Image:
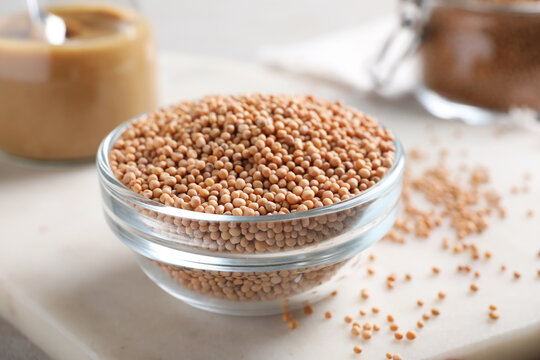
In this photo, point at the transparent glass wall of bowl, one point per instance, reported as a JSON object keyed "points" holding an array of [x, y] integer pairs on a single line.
{"points": [[477, 59], [218, 261]]}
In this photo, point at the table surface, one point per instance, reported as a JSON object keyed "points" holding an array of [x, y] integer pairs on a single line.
{"points": [[76, 291]]}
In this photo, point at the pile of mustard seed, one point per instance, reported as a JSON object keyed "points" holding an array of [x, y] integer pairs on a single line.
{"points": [[252, 154]]}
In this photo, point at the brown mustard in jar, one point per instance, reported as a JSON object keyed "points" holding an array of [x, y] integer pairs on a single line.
{"points": [[483, 53]]}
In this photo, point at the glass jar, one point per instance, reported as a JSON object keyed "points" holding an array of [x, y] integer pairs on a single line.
{"points": [[478, 59], [192, 255], [57, 102]]}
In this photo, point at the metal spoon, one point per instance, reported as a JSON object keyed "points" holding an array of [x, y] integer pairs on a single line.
{"points": [[47, 26]]}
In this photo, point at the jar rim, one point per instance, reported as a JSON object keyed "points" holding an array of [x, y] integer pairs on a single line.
{"points": [[106, 175]]}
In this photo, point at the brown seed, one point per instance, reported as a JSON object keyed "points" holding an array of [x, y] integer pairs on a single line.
{"points": [[362, 313], [494, 315], [436, 270], [419, 324], [493, 307], [474, 287], [334, 293], [357, 349], [517, 275], [411, 335], [408, 276], [328, 315], [390, 284], [390, 318], [442, 295], [503, 267], [396, 357], [365, 294], [398, 335], [367, 326], [371, 271], [435, 311], [293, 324], [375, 310], [389, 355], [420, 303], [308, 310], [376, 327], [348, 319], [425, 316], [476, 274], [394, 327], [371, 257], [366, 334], [487, 255], [286, 316], [356, 330]]}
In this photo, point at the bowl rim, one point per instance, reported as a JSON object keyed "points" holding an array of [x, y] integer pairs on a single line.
{"points": [[113, 184]]}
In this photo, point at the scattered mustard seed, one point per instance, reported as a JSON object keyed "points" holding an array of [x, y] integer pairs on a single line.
{"points": [[356, 330], [517, 275], [390, 318], [487, 255], [419, 324], [364, 294], [425, 316], [493, 307], [293, 324], [436, 270], [389, 355], [375, 310], [328, 315], [474, 287], [394, 327], [398, 335], [442, 295], [371, 271], [420, 303], [334, 293], [376, 327], [371, 257], [308, 310], [435, 311], [411, 335], [348, 319], [397, 357], [367, 326], [362, 313], [357, 349], [494, 315], [286, 316], [366, 334], [408, 276]]}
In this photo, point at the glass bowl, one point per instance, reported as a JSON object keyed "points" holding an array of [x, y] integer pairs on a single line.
{"points": [[248, 265]]}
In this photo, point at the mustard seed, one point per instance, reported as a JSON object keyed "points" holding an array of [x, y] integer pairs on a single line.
{"points": [[442, 295], [419, 324], [474, 287], [328, 315], [348, 319], [425, 316], [398, 335], [493, 307], [494, 315], [362, 313], [365, 294], [366, 334], [420, 303], [376, 327], [394, 327], [389, 355], [436, 270], [517, 275], [390, 318], [308, 310], [435, 311], [371, 271], [357, 349], [411, 335], [375, 310], [334, 293], [293, 324], [396, 357]]}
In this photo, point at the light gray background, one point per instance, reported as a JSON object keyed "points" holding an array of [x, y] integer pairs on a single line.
{"points": [[226, 29]]}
